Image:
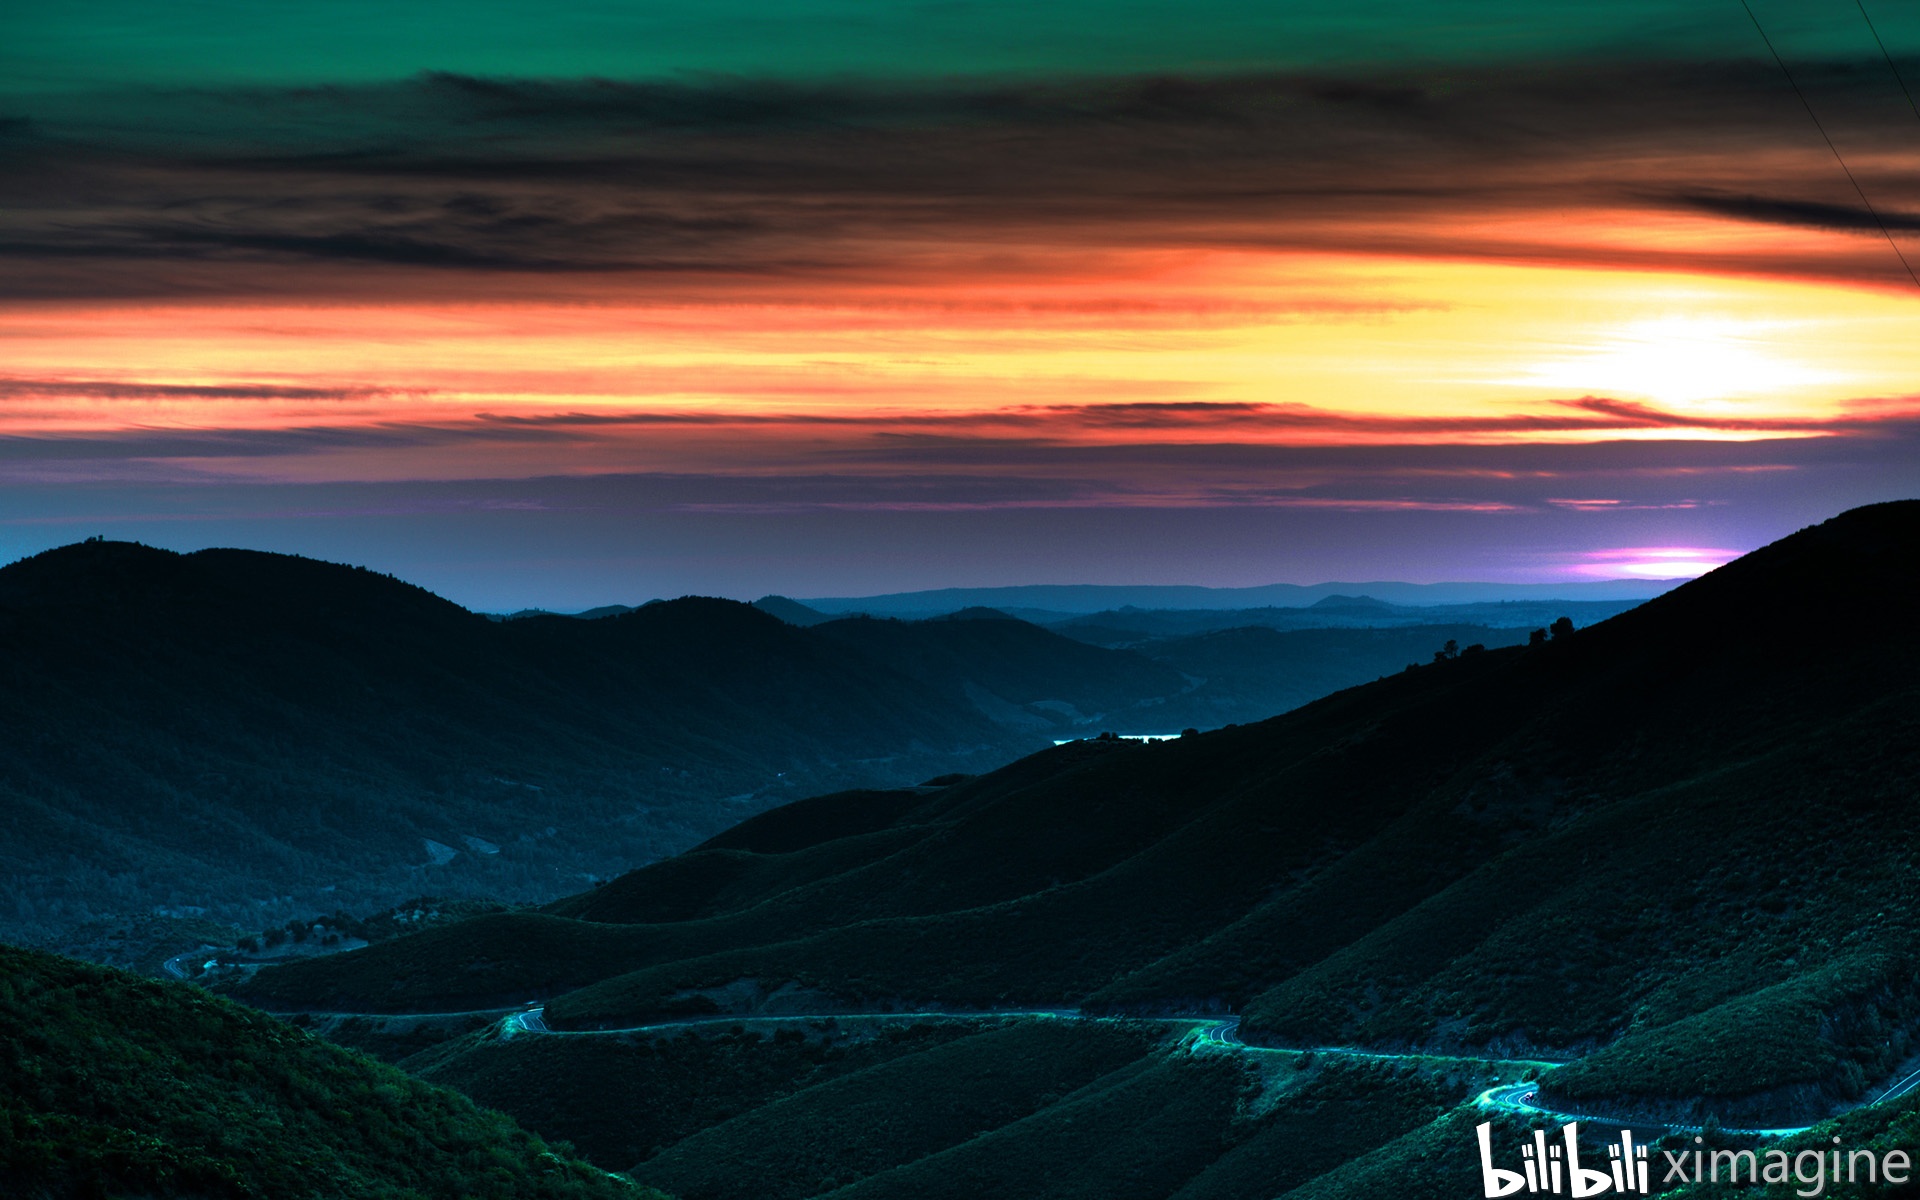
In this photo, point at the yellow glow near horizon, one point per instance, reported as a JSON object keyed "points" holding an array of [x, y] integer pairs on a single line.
{"points": [[1369, 338]]}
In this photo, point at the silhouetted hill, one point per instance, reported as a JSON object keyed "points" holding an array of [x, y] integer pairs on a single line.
{"points": [[977, 613], [252, 737], [1337, 603], [261, 736], [111, 1085], [1677, 846], [591, 614], [791, 611]]}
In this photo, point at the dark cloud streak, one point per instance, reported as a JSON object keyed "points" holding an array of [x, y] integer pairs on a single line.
{"points": [[456, 175], [1812, 214]]}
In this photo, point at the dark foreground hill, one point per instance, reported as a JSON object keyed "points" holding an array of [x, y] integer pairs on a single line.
{"points": [[250, 737], [1679, 847], [111, 1085]]}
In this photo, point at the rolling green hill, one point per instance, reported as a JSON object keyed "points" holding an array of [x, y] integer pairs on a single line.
{"points": [[111, 1085], [1677, 845]]}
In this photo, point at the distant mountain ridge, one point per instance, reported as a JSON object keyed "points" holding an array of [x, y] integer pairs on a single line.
{"points": [[1144, 628], [1070, 599]]}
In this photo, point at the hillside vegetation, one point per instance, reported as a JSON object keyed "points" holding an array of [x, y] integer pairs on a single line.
{"points": [[115, 1086], [1678, 845]]}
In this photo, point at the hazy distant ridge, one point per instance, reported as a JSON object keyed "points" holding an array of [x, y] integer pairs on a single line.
{"points": [[1090, 598]]}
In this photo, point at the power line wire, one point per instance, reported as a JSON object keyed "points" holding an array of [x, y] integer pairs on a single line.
{"points": [[1815, 117], [1898, 78]]}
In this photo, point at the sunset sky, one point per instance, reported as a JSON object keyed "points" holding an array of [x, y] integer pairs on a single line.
{"points": [[565, 304]]}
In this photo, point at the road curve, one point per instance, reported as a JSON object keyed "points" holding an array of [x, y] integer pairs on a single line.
{"points": [[1518, 1098], [174, 968]]}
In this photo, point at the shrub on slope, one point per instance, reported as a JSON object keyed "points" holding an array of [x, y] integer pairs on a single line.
{"points": [[1135, 1134], [896, 1112], [1344, 1109]]}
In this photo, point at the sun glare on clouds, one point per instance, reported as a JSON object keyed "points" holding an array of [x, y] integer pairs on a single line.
{"points": [[1703, 364]]}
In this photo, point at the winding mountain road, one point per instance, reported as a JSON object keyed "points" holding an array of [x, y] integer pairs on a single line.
{"points": [[1208, 1033]]}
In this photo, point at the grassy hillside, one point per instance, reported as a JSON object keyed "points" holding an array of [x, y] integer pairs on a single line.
{"points": [[1344, 1110], [1681, 836], [1434, 1161], [115, 1086], [896, 1112], [1132, 1134]]}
